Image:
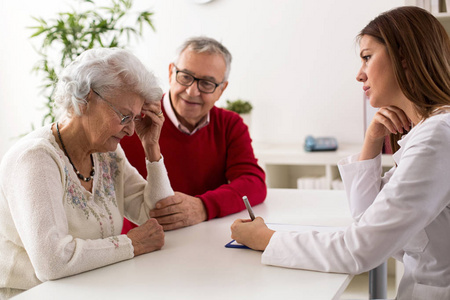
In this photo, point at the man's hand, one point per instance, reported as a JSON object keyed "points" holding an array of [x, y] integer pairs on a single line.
{"points": [[179, 211], [146, 238]]}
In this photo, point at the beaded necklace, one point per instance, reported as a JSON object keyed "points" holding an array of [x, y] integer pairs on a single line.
{"points": [[86, 179]]}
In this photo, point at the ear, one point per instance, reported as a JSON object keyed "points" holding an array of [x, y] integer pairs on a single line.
{"points": [[88, 96], [84, 106], [171, 66], [402, 58], [222, 89]]}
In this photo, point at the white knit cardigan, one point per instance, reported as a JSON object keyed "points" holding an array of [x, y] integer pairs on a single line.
{"points": [[51, 227]]}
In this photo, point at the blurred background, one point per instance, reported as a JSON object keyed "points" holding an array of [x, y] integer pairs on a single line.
{"points": [[294, 61]]}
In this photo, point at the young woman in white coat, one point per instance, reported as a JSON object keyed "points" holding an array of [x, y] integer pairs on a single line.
{"points": [[405, 214]]}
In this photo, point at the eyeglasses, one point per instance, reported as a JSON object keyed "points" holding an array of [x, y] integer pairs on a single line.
{"points": [[203, 85], [124, 119]]}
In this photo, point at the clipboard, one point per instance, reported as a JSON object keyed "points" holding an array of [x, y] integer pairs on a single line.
{"points": [[234, 244], [289, 228]]}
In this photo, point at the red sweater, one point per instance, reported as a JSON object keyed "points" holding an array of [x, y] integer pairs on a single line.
{"points": [[216, 164]]}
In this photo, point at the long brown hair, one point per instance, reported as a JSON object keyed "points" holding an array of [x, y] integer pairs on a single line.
{"points": [[419, 49]]}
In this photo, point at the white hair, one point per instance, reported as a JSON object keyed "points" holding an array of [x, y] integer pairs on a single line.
{"points": [[202, 44], [103, 70]]}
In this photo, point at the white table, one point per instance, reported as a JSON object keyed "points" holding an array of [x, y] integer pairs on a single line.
{"points": [[194, 264]]}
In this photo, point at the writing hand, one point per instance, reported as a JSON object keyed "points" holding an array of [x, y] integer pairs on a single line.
{"points": [[254, 234], [179, 211], [147, 238]]}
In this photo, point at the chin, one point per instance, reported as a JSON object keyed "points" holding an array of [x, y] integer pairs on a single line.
{"points": [[111, 146], [373, 103]]}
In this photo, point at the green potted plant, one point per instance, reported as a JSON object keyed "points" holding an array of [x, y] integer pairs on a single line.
{"points": [[74, 31], [243, 108], [240, 106]]}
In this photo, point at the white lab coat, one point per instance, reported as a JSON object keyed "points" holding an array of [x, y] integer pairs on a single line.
{"points": [[406, 215]]}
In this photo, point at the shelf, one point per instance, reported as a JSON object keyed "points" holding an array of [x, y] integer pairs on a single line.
{"points": [[444, 18], [285, 163], [293, 154]]}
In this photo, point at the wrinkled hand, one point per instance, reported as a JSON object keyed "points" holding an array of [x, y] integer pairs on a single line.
{"points": [[178, 211], [149, 129], [254, 234], [147, 238], [387, 120]]}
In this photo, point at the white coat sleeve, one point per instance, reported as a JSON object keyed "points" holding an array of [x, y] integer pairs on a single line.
{"points": [[362, 181], [403, 208]]}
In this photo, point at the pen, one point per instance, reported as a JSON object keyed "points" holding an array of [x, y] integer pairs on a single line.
{"points": [[249, 208]]}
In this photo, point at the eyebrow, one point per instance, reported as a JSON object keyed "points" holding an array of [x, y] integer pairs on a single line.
{"points": [[361, 52], [129, 111]]}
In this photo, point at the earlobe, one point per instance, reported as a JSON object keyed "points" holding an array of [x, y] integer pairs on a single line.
{"points": [[402, 58], [404, 64]]}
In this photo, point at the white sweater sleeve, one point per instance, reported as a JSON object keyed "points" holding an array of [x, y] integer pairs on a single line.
{"points": [[141, 195]]}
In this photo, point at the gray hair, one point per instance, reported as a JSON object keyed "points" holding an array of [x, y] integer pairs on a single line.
{"points": [[103, 70], [203, 44]]}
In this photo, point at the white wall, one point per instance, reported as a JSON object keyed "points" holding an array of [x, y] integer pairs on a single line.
{"points": [[295, 60]]}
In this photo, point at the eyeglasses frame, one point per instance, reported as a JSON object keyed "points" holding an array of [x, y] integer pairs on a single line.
{"points": [[195, 79], [124, 119]]}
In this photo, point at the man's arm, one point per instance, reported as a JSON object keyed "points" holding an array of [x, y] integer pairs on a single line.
{"points": [[244, 176]]}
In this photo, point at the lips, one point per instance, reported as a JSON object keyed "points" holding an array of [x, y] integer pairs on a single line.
{"points": [[366, 90], [190, 103], [189, 100]]}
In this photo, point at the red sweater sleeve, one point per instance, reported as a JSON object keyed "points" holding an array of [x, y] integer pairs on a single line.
{"points": [[243, 173]]}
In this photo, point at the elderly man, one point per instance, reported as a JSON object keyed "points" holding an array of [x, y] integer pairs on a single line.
{"points": [[207, 150]]}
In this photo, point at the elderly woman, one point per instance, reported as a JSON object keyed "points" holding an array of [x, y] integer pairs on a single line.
{"points": [[65, 188]]}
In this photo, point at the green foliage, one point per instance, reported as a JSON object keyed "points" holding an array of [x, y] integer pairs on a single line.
{"points": [[73, 32], [239, 106]]}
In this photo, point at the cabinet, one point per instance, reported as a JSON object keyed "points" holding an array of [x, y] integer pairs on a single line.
{"points": [[434, 6], [285, 163], [444, 18]]}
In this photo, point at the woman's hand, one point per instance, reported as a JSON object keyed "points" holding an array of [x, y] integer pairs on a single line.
{"points": [[390, 119], [147, 238], [149, 129], [254, 234]]}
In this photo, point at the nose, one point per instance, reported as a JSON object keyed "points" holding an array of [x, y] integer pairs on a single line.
{"points": [[193, 90], [129, 128], [361, 76]]}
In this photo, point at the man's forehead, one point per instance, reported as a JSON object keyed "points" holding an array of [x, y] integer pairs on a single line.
{"points": [[210, 66]]}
